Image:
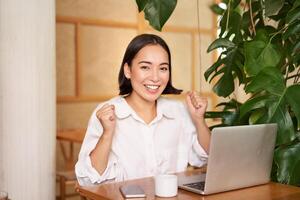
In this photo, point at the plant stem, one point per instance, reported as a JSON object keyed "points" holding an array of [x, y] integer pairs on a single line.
{"points": [[284, 66], [281, 30], [297, 76], [286, 72], [251, 17], [261, 14], [228, 11]]}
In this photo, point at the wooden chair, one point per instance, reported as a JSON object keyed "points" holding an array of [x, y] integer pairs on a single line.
{"points": [[66, 177]]}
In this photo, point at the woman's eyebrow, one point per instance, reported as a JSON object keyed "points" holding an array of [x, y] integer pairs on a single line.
{"points": [[165, 63], [146, 62], [150, 63]]}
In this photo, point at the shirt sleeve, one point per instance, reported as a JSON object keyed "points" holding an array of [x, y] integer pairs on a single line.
{"points": [[86, 174], [196, 155]]}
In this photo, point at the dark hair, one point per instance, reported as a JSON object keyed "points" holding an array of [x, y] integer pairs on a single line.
{"points": [[133, 48]]}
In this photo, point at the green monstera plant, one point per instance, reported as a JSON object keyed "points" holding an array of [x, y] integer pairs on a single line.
{"points": [[157, 12], [260, 48], [259, 42]]}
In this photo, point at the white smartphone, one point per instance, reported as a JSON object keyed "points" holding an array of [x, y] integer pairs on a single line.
{"points": [[132, 191]]}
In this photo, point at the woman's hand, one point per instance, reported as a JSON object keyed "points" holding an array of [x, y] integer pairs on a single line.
{"points": [[196, 105], [100, 154], [106, 116]]}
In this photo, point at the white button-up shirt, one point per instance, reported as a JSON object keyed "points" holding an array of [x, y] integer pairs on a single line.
{"points": [[166, 145]]}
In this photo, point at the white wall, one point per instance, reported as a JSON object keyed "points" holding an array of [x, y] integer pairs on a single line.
{"points": [[27, 99]]}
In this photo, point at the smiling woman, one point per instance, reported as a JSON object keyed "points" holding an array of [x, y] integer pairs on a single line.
{"points": [[148, 73], [143, 50], [140, 133]]}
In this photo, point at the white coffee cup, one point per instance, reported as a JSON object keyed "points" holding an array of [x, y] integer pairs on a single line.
{"points": [[166, 185]]}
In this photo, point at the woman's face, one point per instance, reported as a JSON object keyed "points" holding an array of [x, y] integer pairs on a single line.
{"points": [[149, 73]]}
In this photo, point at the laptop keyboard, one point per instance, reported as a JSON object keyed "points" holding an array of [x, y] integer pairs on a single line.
{"points": [[196, 185]]}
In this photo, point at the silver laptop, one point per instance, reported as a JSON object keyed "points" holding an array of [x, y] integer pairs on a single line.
{"points": [[239, 156]]}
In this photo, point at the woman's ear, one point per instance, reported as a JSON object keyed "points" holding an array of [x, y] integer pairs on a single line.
{"points": [[127, 71]]}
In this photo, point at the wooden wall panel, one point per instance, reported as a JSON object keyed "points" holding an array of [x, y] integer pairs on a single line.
{"points": [[203, 62], [101, 53], [74, 115], [181, 59], [65, 59], [112, 10], [206, 17]]}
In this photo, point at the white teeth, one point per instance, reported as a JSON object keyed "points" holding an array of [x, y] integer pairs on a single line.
{"points": [[153, 87]]}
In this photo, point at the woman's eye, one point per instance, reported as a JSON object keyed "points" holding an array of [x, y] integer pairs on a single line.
{"points": [[144, 67], [164, 68]]}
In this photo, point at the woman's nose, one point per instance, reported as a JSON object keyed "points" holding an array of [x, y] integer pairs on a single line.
{"points": [[155, 75]]}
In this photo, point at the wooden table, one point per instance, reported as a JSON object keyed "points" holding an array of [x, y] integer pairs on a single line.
{"points": [[71, 136], [268, 191]]}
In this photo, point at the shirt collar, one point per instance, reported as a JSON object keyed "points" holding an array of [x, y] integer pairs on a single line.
{"points": [[123, 110], [164, 108]]}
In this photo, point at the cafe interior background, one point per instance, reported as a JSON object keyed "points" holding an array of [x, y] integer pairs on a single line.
{"points": [[90, 40]]}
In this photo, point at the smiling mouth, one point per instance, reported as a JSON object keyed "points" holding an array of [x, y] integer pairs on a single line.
{"points": [[152, 87]]}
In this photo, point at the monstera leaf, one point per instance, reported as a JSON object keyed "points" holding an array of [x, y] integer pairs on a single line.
{"points": [[254, 104], [276, 103], [227, 68], [293, 97], [273, 7], [261, 53], [293, 15], [157, 12], [269, 79], [220, 43], [287, 164]]}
